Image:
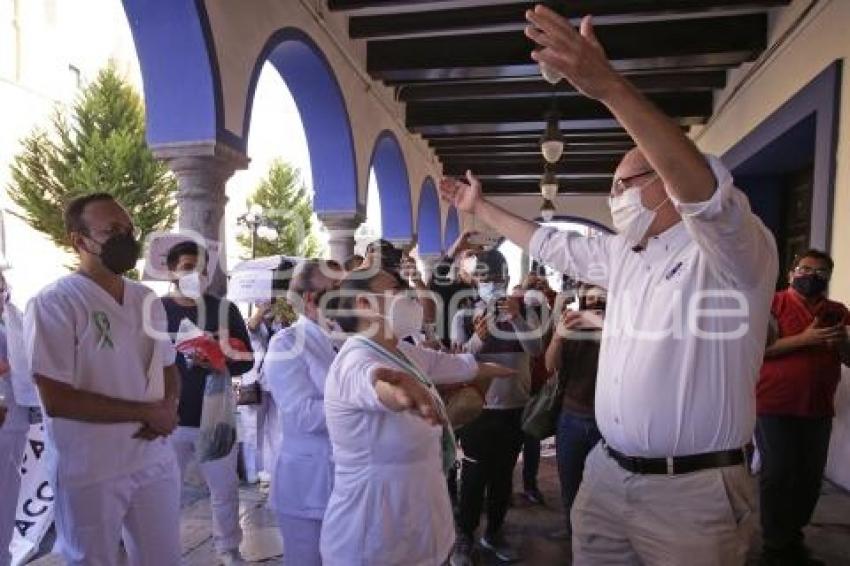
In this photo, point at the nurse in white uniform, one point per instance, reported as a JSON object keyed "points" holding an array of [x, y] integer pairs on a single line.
{"points": [[17, 396], [296, 366], [104, 367], [391, 445]]}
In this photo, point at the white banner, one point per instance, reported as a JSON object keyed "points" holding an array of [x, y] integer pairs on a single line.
{"points": [[250, 286], [34, 513]]}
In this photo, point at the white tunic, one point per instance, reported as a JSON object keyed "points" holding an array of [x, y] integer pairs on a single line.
{"points": [[295, 370], [390, 504], [78, 334], [685, 326]]}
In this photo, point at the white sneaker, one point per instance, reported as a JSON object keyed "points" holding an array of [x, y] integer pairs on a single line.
{"points": [[231, 558]]}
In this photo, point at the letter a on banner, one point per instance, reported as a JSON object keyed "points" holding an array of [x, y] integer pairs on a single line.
{"points": [[34, 513]]}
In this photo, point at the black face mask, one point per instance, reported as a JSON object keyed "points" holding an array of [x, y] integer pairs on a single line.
{"points": [[809, 285], [119, 253]]}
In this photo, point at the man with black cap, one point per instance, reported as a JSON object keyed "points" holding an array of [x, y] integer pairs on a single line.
{"points": [[495, 331]]}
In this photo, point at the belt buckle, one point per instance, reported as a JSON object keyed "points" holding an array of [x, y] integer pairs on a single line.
{"points": [[671, 466]]}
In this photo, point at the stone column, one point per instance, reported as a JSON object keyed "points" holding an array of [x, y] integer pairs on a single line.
{"points": [[202, 170], [341, 227]]}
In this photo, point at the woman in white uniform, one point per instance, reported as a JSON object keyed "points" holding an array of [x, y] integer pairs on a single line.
{"points": [[391, 447]]}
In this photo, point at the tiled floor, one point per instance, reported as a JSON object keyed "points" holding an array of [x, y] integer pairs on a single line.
{"points": [[529, 527]]}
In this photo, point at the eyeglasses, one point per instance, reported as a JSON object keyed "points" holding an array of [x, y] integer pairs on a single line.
{"points": [[823, 273], [623, 184], [114, 230]]}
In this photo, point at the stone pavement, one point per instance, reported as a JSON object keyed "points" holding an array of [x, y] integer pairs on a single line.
{"points": [[529, 527]]}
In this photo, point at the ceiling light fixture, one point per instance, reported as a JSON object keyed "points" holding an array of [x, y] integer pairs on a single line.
{"points": [[547, 210], [549, 182], [552, 142]]}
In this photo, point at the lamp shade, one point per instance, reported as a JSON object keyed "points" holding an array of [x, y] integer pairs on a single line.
{"points": [[549, 183], [547, 210], [552, 141]]}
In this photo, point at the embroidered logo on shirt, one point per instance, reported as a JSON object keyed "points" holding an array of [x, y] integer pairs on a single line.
{"points": [[104, 332], [676, 268]]}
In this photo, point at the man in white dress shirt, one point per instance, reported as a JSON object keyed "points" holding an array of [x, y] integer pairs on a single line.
{"points": [[296, 367], [689, 276], [104, 367]]}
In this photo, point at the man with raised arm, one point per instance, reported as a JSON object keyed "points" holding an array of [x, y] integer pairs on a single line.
{"points": [[690, 276]]}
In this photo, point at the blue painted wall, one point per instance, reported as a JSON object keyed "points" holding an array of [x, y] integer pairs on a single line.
{"points": [[179, 76], [428, 219], [393, 186], [452, 228], [320, 103]]}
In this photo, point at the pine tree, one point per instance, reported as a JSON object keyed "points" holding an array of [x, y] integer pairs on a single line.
{"points": [[97, 146], [287, 204]]}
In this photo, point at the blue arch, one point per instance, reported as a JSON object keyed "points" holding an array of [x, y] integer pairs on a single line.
{"points": [[311, 80], [393, 186], [180, 73], [428, 219], [452, 228]]}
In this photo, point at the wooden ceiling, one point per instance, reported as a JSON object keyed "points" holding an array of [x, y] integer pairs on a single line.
{"points": [[463, 69]]}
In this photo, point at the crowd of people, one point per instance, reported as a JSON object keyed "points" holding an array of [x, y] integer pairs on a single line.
{"points": [[391, 409]]}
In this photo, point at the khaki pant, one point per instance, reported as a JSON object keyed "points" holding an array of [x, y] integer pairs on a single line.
{"points": [[701, 518]]}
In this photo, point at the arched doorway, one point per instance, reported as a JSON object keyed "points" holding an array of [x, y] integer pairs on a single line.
{"points": [[390, 173]]}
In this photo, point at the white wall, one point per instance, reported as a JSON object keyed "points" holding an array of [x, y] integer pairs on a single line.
{"points": [[816, 43]]}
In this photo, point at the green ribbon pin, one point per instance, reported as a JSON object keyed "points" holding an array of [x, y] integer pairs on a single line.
{"points": [[101, 322]]}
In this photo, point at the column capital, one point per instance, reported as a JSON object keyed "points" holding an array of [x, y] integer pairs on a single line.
{"points": [[203, 152], [339, 221]]}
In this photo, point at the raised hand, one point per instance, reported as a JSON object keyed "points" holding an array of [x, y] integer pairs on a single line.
{"points": [[575, 54], [463, 196]]}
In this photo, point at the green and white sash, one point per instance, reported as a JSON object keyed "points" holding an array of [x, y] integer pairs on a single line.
{"points": [[448, 442]]}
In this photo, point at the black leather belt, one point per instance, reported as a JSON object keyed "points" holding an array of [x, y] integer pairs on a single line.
{"points": [[678, 464]]}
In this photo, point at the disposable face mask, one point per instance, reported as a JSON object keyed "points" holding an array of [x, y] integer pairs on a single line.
{"points": [[404, 316], [192, 285], [489, 291], [631, 218]]}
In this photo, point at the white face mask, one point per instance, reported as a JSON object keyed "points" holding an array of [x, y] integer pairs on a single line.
{"points": [[405, 316], [192, 285], [631, 218], [489, 291]]}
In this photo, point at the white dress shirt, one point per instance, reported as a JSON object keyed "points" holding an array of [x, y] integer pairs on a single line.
{"points": [[389, 504], [676, 378], [295, 370]]}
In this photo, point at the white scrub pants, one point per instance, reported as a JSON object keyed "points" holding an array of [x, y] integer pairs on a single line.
{"points": [[300, 540], [223, 483], [146, 503], [11, 452]]}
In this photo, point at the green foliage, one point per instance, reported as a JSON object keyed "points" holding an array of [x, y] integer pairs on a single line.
{"points": [[286, 202], [97, 146]]}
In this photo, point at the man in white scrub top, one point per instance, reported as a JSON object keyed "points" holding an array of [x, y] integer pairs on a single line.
{"points": [[296, 367], [105, 372]]}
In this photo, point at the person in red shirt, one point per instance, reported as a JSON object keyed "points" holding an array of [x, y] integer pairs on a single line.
{"points": [[794, 403]]}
